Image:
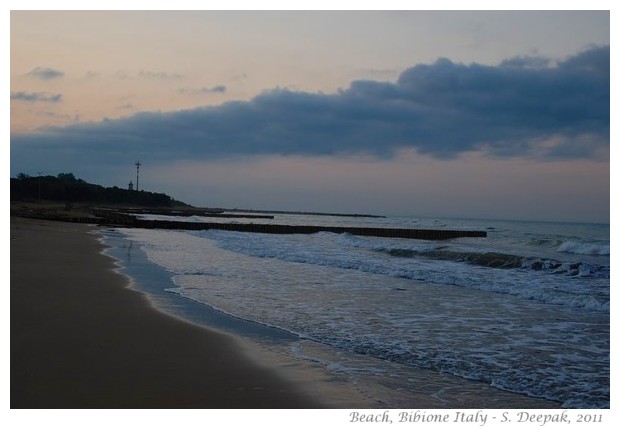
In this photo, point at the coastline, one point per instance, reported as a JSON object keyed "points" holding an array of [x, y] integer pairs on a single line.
{"points": [[103, 343], [80, 338]]}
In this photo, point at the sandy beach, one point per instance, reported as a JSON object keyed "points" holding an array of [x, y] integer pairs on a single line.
{"points": [[80, 338], [83, 337]]}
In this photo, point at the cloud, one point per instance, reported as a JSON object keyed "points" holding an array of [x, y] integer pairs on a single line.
{"points": [[526, 107], [159, 75], [35, 97], [61, 116], [204, 90], [126, 106], [45, 73], [378, 73]]}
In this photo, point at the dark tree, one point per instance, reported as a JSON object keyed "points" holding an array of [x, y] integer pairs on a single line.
{"points": [[69, 189]]}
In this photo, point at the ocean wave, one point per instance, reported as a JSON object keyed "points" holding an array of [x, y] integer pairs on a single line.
{"points": [[581, 248], [505, 261], [489, 258], [544, 242], [517, 345], [571, 284]]}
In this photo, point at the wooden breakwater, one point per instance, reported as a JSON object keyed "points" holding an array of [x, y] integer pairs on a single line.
{"points": [[114, 218]]}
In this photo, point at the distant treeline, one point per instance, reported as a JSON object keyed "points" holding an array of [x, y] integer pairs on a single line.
{"points": [[67, 188]]}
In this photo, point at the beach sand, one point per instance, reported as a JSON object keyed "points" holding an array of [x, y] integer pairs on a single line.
{"points": [[81, 337]]}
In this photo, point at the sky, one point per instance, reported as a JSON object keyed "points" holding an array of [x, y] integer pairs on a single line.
{"points": [[483, 114]]}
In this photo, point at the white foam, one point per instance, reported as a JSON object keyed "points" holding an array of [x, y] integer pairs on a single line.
{"points": [[332, 250], [337, 290], [581, 248]]}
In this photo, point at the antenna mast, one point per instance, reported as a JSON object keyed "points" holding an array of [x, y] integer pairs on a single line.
{"points": [[137, 175]]}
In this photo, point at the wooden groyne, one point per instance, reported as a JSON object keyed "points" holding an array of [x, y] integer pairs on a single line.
{"points": [[114, 218]]}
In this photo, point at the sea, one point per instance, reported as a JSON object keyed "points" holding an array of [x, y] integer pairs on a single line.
{"points": [[524, 309]]}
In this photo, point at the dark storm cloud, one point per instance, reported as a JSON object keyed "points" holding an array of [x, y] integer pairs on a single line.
{"points": [[522, 107], [45, 73], [35, 97]]}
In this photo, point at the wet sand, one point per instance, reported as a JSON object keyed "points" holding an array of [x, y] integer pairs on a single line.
{"points": [[80, 338]]}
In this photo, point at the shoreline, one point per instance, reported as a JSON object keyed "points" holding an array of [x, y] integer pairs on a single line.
{"points": [[81, 338], [316, 366], [106, 344]]}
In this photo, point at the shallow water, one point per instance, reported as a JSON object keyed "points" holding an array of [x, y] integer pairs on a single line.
{"points": [[524, 310]]}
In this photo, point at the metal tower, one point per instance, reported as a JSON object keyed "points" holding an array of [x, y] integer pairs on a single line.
{"points": [[138, 175]]}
